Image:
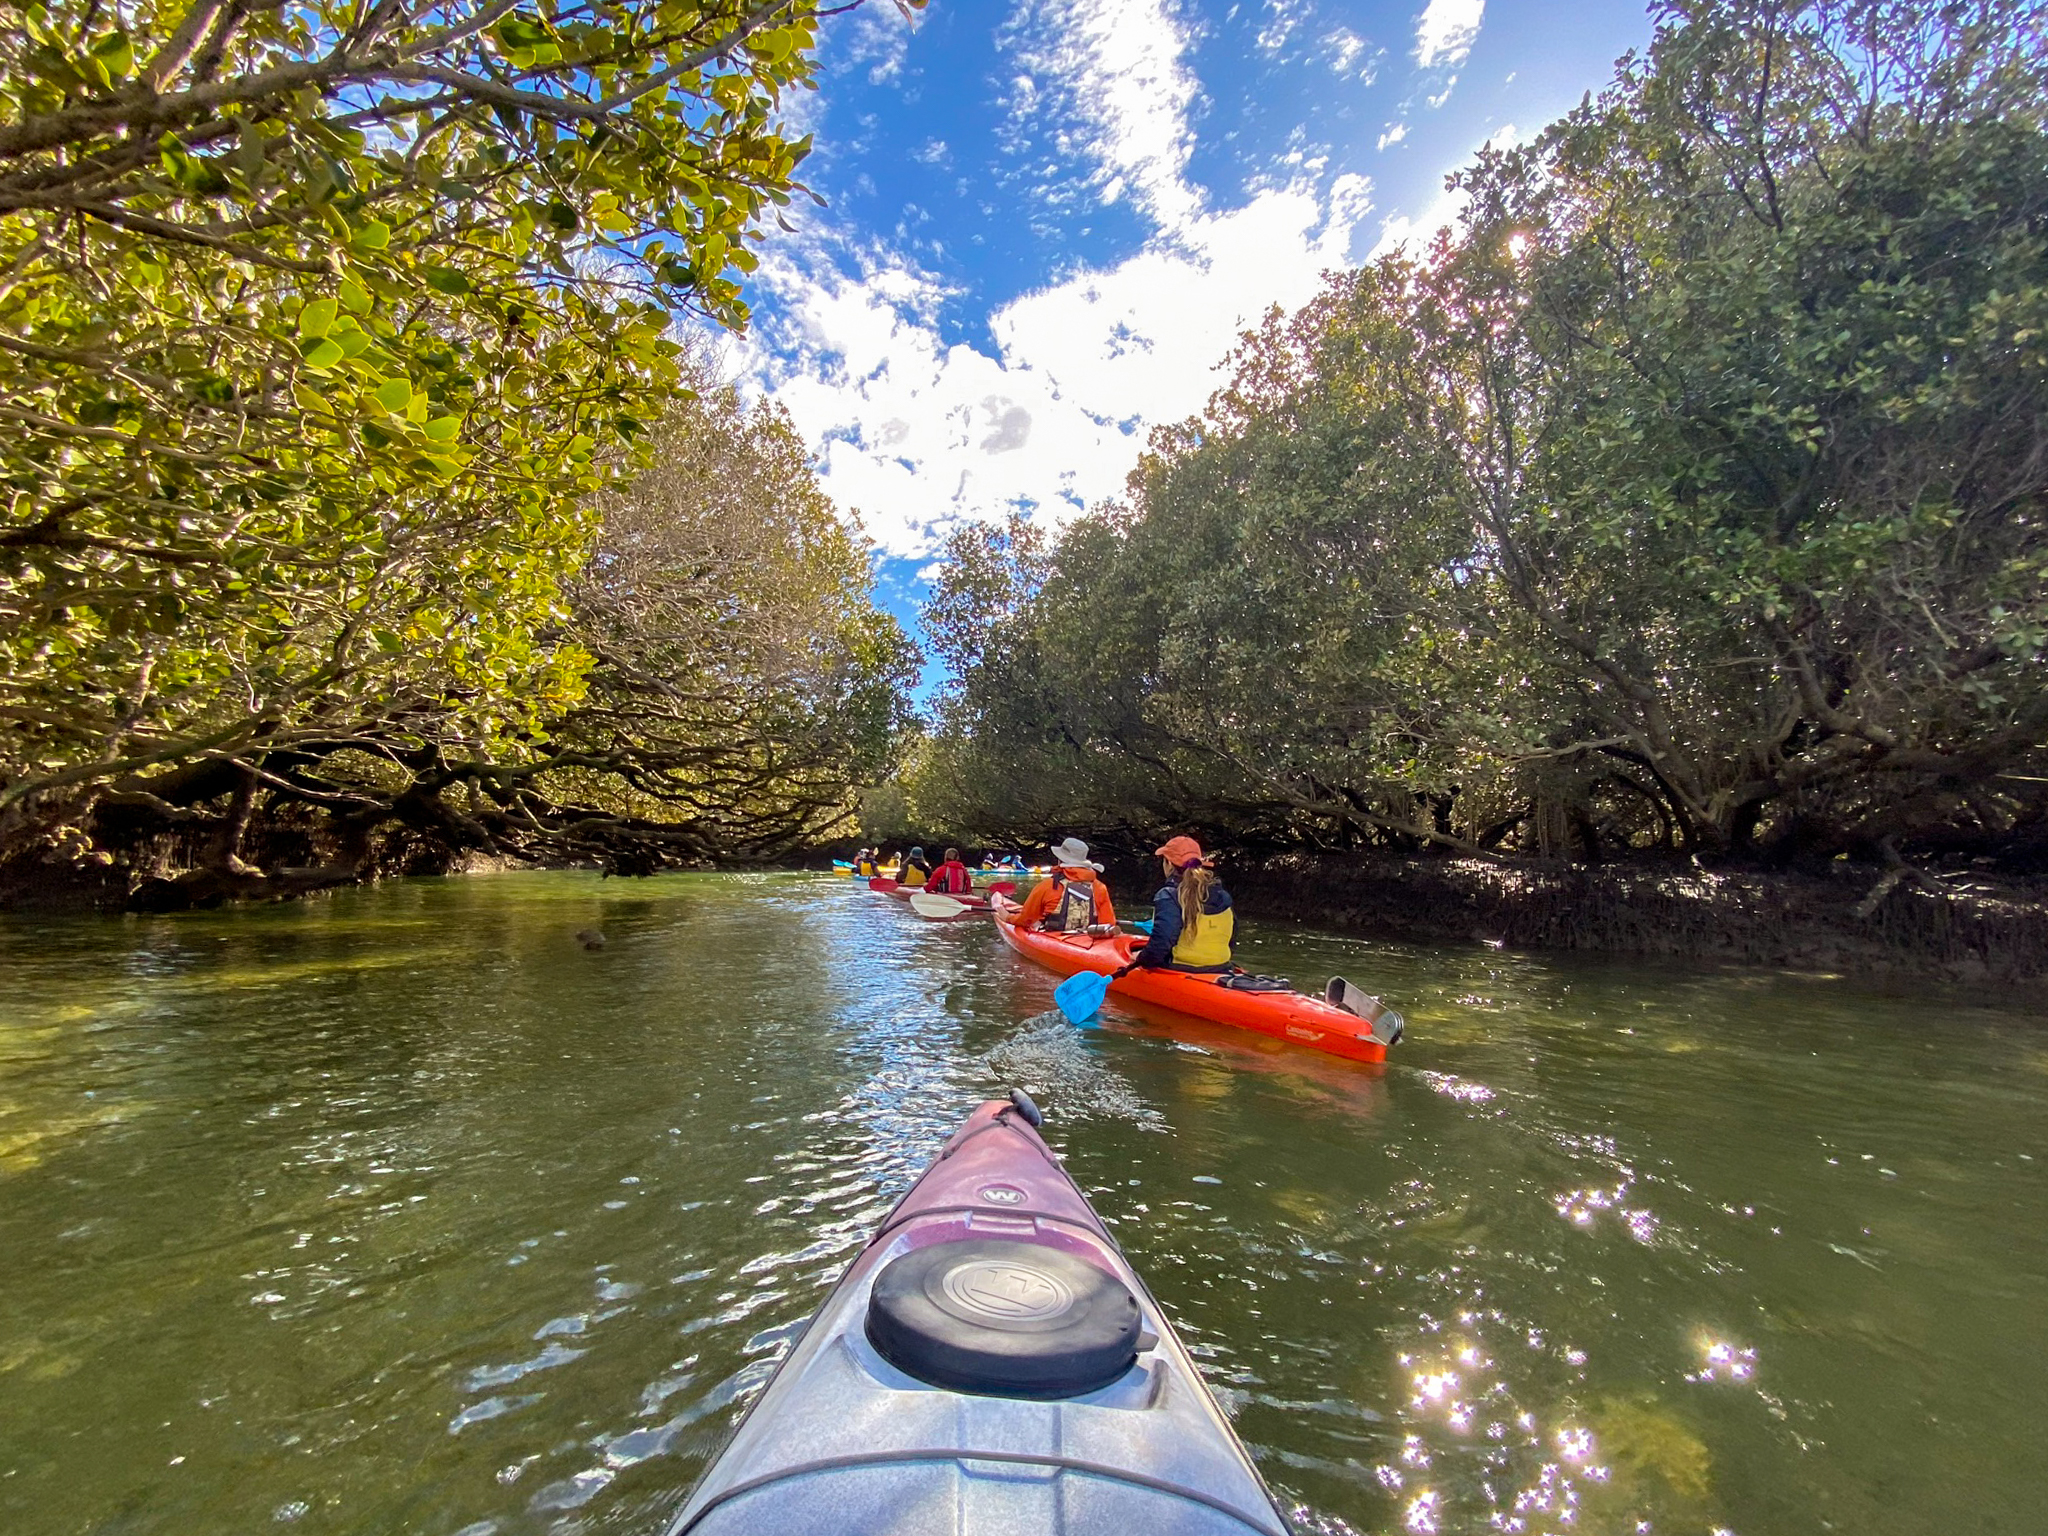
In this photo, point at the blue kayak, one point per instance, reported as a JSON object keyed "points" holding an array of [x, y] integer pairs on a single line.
{"points": [[989, 1363]]}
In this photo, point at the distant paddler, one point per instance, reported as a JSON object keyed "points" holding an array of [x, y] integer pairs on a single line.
{"points": [[951, 877]]}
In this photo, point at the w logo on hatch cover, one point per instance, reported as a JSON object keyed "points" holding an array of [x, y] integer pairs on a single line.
{"points": [[1006, 1291]]}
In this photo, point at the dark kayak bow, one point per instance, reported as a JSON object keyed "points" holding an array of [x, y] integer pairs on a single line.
{"points": [[988, 1364]]}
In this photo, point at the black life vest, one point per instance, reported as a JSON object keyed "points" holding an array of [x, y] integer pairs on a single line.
{"points": [[1076, 909]]}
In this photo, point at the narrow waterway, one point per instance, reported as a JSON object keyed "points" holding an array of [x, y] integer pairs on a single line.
{"points": [[403, 1212]]}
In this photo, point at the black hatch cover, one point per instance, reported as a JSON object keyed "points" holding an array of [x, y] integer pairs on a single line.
{"points": [[1003, 1319]]}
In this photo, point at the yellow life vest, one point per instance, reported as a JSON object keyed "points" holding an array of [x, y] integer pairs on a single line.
{"points": [[912, 876], [1209, 942]]}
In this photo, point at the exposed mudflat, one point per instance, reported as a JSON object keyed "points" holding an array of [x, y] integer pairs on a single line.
{"points": [[1972, 929]]}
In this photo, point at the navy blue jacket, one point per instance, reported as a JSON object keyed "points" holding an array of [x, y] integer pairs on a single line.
{"points": [[1166, 921]]}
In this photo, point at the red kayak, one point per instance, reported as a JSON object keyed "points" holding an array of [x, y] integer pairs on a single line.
{"points": [[1284, 1015], [990, 1363], [904, 892]]}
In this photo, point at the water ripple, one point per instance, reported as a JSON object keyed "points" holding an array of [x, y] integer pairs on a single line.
{"points": [[1049, 1059]]}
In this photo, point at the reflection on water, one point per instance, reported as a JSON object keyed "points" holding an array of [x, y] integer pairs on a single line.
{"points": [[403, 1212]]}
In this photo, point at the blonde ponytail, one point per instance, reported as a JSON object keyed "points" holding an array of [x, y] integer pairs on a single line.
{"points": [[1196, 882]]}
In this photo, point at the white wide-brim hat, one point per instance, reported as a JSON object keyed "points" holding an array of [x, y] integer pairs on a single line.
{"points": [[1074, 853]]}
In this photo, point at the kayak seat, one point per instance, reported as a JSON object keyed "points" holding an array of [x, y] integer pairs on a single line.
{"points": [[1244, 981], [1003, 1319]]}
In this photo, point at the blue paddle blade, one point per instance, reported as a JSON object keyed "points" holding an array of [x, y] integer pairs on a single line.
{"points": [[1144, 927], [1080, 996]]}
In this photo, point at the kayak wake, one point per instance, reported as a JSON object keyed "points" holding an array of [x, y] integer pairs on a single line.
{"points": [[1048, 1059]]}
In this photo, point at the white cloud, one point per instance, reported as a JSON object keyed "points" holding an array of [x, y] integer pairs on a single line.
{"points": [[1395, 133], [1345, 47], [916, 434], [878, 42], [1282, 17], [1048, 416], [1105, 82], [1446, 30]]}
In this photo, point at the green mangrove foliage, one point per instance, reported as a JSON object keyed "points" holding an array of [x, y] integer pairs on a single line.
{"points": [[326, 333], [742, 682], [1689, 496]]}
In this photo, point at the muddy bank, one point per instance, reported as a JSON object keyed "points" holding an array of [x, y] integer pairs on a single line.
{"points": [[1972, 930], [127, 860], [178, 871]]}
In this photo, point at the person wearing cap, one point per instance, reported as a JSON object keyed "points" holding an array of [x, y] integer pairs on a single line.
{"points": [[915, 870], [1073, 899], [1193, 921]]}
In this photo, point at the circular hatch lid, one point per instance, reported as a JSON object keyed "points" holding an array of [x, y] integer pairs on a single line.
{"points": [[1003, 1319]]}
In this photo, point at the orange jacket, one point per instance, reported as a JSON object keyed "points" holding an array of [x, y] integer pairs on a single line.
{"points": [[1045, 896]]}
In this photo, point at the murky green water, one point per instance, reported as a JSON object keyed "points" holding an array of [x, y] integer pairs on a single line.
{"points": [[401, 1212]]}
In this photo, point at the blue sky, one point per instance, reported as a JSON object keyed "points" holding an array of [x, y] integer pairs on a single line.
{"points": [[1048, 221]]}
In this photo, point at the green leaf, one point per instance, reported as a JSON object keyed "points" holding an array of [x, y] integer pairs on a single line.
{"points": [[393, 394], [448, 280], [317, 318], [116, 55], [517, 31], [442, 429], [323, 354], [373, 236], [251, 156]]}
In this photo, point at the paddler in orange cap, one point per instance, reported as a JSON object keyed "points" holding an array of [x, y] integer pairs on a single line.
{"points": [[1074, 900], [1193, 921]]}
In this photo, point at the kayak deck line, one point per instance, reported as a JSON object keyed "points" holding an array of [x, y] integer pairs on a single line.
{"points": [[986, 1221], [989, 1363], [1052, 1460], [1295, 1016]]}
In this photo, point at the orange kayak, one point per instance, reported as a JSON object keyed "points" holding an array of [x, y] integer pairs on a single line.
{"points": [[1285, 1015]]}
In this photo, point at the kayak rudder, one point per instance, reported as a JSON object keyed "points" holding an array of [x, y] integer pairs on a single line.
{"points": [[989, 1363]]}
